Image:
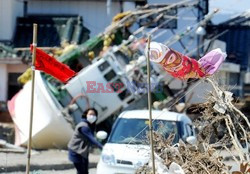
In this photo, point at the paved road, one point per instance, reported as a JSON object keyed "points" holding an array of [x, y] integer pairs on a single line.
{"points": [[55, 162], [43, 162], [69, 171]]}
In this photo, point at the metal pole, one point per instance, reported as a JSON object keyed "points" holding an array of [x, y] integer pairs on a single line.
{"points": [[198, 36], [32, 96], [150, 107]]}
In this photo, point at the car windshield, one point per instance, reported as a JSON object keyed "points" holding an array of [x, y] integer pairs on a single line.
{"points": [[134, 131]]}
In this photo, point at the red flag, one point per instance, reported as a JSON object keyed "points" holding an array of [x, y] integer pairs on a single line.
{"points": [[50, 65]]}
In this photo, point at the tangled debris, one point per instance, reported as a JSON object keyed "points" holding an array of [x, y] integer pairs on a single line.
{"points": [[200, 158], [221, 126]]}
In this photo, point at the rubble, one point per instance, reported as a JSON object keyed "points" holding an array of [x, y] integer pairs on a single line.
{"points": [[223, 124], [200, 158], [220, 126]]}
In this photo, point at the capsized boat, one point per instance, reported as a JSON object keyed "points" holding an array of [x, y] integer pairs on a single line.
{"points": [[50, 129], [111, 77]]}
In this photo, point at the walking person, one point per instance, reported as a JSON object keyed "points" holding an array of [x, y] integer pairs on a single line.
{"points": [[82, 139]]}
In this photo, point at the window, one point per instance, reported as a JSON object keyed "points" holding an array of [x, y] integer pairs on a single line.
{"points": [[124, 94], [13, 85], [134, 130], [103, 66], [110, 75]]}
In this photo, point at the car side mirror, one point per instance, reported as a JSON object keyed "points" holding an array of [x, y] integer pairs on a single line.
{"points": [[102, 135], [191, 140]]}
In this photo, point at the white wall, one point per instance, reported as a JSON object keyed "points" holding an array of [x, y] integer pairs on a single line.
{"points": [[3, 84], [128, 6], [17, 68], [94, 13], [9, 10]]}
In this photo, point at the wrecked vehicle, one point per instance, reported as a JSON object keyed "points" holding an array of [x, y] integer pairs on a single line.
{"points": [[127, 147]]}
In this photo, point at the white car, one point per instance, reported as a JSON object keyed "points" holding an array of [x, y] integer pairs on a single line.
{"points": [[127, 147]]}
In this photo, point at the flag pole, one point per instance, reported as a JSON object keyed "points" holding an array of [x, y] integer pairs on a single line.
{"points": [[32, 96], [150, 107]]}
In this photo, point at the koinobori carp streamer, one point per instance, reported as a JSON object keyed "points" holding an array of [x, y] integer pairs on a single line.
{"points": [[182, 66]]}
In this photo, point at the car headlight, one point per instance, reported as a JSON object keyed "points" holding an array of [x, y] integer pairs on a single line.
{"points": [[108, 159]]}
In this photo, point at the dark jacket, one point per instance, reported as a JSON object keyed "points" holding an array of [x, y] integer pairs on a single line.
{"points": [[82, 138]]}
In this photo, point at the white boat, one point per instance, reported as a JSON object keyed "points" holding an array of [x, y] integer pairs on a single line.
{"points": [[50, 129]]}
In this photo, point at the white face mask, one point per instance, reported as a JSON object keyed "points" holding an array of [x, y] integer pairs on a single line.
{"points": [[91, 118]]}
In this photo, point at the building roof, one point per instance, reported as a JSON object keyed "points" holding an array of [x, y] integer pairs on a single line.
{"points": [[236, 34], [53, 31], [7, 51], [156, 114], [8, 54], [242, 20]]}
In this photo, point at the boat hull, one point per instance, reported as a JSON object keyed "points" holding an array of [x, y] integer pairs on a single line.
{"points": [[50, 129]]}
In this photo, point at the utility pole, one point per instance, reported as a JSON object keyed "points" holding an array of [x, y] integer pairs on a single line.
{"points": [[202, 11], [150, 107]]}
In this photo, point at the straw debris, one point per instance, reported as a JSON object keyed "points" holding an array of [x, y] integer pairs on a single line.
{"points": [[221, 126]]}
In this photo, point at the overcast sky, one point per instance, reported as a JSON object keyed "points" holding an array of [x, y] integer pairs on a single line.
{"points": [[228, 8]]}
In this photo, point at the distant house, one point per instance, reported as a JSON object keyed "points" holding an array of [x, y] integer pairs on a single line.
{"points": [[236, 35]]}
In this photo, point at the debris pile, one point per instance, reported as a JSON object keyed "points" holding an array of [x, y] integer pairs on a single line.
{"points": [[200, 158], [221, 126]]}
